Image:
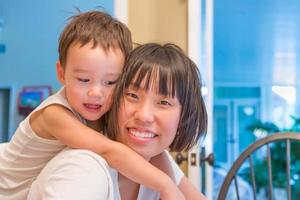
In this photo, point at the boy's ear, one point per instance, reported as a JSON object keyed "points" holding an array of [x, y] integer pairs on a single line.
{"points": [[60, 72]]}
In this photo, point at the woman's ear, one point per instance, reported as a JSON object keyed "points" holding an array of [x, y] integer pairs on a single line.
{"points": [[60, 72]]}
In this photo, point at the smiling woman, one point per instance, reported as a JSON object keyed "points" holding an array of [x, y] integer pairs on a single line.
{"points": [[158, 105]]}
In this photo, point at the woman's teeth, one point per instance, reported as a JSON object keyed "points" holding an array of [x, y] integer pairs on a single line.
{"points": [[142, 134]]}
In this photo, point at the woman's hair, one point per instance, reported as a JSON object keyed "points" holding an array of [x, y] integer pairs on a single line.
{"points": [[175, 75]]}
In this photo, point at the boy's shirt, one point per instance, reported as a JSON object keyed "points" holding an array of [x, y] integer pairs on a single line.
{"points": [[26, 154]]}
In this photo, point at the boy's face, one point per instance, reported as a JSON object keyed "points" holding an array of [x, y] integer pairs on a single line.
{"points": [[89, 77]]}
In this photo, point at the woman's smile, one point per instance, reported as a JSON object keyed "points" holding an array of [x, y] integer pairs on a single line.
{"points": [[140, 135]]}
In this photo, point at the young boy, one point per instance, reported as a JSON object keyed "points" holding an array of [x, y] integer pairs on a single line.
{"points": [[92, 50]]}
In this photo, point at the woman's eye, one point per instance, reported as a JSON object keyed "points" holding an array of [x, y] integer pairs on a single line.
{"points": [[165, 103], [132, 95], [85, 80]]}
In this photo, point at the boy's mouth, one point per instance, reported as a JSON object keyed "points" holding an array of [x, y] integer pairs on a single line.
{"points": [[92, 107]]}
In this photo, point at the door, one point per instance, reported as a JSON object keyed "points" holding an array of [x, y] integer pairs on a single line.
{"points": [[4, 114], [192, 22], [200, 50], [232, 120], [235, 110]]}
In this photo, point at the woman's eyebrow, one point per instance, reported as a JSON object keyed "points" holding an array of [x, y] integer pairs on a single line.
{"points": [[133, 86]]}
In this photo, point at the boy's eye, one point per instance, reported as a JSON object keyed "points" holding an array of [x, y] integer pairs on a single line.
{"points": [[110, 82], [85, 80]]}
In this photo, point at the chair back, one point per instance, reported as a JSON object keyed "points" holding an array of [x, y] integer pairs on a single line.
{"points": [[273, 156]]}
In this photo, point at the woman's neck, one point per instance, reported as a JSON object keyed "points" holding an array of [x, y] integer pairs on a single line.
{"points": [[128, 189]]}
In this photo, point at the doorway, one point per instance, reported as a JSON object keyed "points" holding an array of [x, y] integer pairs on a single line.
{"points": [[4, 113]]}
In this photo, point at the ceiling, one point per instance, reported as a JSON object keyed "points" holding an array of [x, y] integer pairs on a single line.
{"points": [[256, 42]]}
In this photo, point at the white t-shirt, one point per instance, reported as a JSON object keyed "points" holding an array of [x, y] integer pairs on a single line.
{"points": [[81, 174]]}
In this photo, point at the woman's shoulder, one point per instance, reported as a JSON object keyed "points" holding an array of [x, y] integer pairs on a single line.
{"points": [[76, 155], [72, 170]]}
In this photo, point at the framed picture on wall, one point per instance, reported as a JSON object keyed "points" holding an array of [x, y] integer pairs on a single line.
{"points": [[32, 96]]}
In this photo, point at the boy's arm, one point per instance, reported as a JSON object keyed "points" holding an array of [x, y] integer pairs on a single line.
{"points": [[163, 162], [57, 122], [189, 191]]}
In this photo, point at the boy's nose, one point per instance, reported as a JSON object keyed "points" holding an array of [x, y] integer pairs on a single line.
{"points": [[95, 92]]}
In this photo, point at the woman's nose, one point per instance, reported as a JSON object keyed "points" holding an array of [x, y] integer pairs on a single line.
{"points": [[144, 112]]}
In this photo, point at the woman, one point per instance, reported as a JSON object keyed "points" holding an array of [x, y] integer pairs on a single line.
{"points": [[158, 106]]}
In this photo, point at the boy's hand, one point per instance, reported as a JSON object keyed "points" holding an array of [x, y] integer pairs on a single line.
{"points": [[171, 192]]}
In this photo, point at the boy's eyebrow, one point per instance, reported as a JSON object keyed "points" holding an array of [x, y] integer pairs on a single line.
{"points": [[80, 70], [114, 73]]}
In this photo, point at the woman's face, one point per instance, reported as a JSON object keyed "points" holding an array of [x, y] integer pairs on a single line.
{"points": [[148, 121]]}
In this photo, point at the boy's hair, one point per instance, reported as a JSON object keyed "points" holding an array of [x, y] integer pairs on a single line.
{"points": [[175, 75], [97, 27]]}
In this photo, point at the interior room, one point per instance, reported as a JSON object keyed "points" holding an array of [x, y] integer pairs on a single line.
{"points": [[247, 52]]}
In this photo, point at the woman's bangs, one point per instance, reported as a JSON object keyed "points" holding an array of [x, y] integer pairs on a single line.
{"points": [[155, 77]]}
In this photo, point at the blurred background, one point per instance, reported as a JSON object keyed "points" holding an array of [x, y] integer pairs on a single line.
{"points": [[247, 52]]}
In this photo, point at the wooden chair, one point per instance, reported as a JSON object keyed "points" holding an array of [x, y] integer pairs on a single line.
{"points": [[286, 141]]}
